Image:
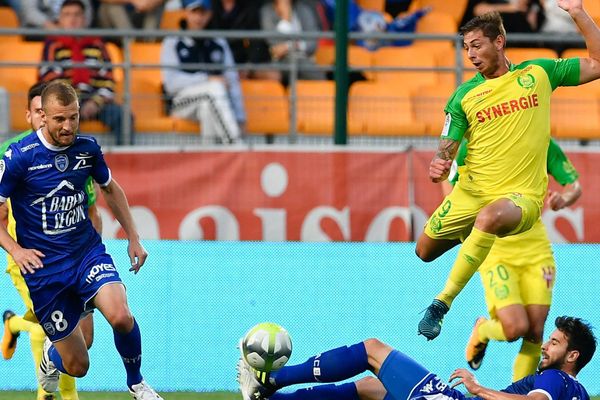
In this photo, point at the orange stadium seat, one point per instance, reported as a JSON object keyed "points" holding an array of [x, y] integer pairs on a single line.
{"points": [[429, 105], [147, 96], [436, 23], [575, 114], [18, 79], [358, 57], [448, 59], [376, 5], [266, 107], [454, 8], [9, 19], [411, 56], [170, 19], [518, 55], [315, 106], [382, 109]]}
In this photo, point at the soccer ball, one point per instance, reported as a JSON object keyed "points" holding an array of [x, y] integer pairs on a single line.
{"points": [[267, 347]]}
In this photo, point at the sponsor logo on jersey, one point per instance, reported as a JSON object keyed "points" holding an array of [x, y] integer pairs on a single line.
{"points": [[99, 272], [8, 154], [62, 212], [502, 292], [41, 166], [29, 147], [447, 123], [507, 107], [2, 168], [61, 161]]}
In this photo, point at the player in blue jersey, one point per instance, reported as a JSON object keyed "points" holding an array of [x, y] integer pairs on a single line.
{"points": [[60, 255], [569, 348]]}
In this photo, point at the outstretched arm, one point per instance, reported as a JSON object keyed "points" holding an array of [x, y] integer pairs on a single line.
{"points": [[28, 260], [590, 67], [439, 168], [464, 377], [117, 201]]}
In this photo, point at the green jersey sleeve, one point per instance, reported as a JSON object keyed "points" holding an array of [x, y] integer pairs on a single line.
{"points": [[6, 143], [559, 166], [91, 191], [456, 123], [561, 71]]}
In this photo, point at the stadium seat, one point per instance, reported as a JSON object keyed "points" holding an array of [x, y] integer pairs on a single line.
{"points": [[116, 57], [436, 23], [376, 5], [411, 56], [358, 57], [170, 19], [454, 8], [575, 114], [266, 107], [315, 106], [9, 19], [382, 109], [448, 59], [518, 55], [429, 105], [18, 79], [147, 96]]}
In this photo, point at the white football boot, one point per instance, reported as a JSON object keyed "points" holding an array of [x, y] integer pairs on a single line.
{"points": [[143, 391], [47, 373]]}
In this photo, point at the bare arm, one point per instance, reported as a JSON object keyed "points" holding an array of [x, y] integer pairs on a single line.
{"points": [[466, 378], [94, 215], [28, 260], [117, 201], [439, 168], [569, 195], [590, 67], [4, 214]]}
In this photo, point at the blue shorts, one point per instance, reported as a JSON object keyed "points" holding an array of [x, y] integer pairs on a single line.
{"points": [[59, 300], [405, 379]]}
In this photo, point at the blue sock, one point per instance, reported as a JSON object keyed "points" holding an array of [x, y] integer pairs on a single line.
{"points": [[346, 391], [56, 359], [129, 346], [330, 366]]}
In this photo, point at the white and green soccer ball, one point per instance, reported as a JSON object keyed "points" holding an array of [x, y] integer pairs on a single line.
{"points": [[267, 347]]}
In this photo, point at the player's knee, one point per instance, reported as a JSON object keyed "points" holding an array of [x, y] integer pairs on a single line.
{"points": [[121, 320], [535, 334], [516, 330], [77, 368], [423, 253], [374, 345]]}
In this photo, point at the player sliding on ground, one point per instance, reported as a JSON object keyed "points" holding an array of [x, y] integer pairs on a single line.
{"points": [[504, 112], [569, 348]]}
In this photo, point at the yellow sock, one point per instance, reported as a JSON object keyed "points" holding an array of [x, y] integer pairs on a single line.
{"points": [[491, 330], [18, 324], [67, 387], [36, 338], [470, 256], [527, 360]]}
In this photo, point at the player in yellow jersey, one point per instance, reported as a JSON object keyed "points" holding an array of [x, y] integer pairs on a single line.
{"points": [[15, 324], [518, 275], [504, 112]]}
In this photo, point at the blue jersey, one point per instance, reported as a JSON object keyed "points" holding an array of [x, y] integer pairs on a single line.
{"points": [[555, 384], [46, 185]]}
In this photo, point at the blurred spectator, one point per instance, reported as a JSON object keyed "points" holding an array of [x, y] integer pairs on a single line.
{"points": [[243, 15], [374, 22], [559, 22], [288, 16], [45, 13], [395, 7], [211, 96], [94, 82], [130, 14], [519, 16]]}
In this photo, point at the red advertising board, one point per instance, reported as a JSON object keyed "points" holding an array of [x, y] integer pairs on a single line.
{"points": [[304, 196]]}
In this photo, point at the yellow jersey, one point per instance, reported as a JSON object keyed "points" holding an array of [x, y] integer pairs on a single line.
{"points": [[506, 121]]}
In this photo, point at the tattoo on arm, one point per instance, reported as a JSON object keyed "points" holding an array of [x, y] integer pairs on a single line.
{"points": [[447, 149]]}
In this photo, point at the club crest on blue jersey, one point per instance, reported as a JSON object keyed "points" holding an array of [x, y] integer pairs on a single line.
{"points": [[61, 162]]}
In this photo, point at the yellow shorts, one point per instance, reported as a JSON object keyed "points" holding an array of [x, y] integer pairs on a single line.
{"points": [[21, 286], [520, 269], [455, 217]]}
